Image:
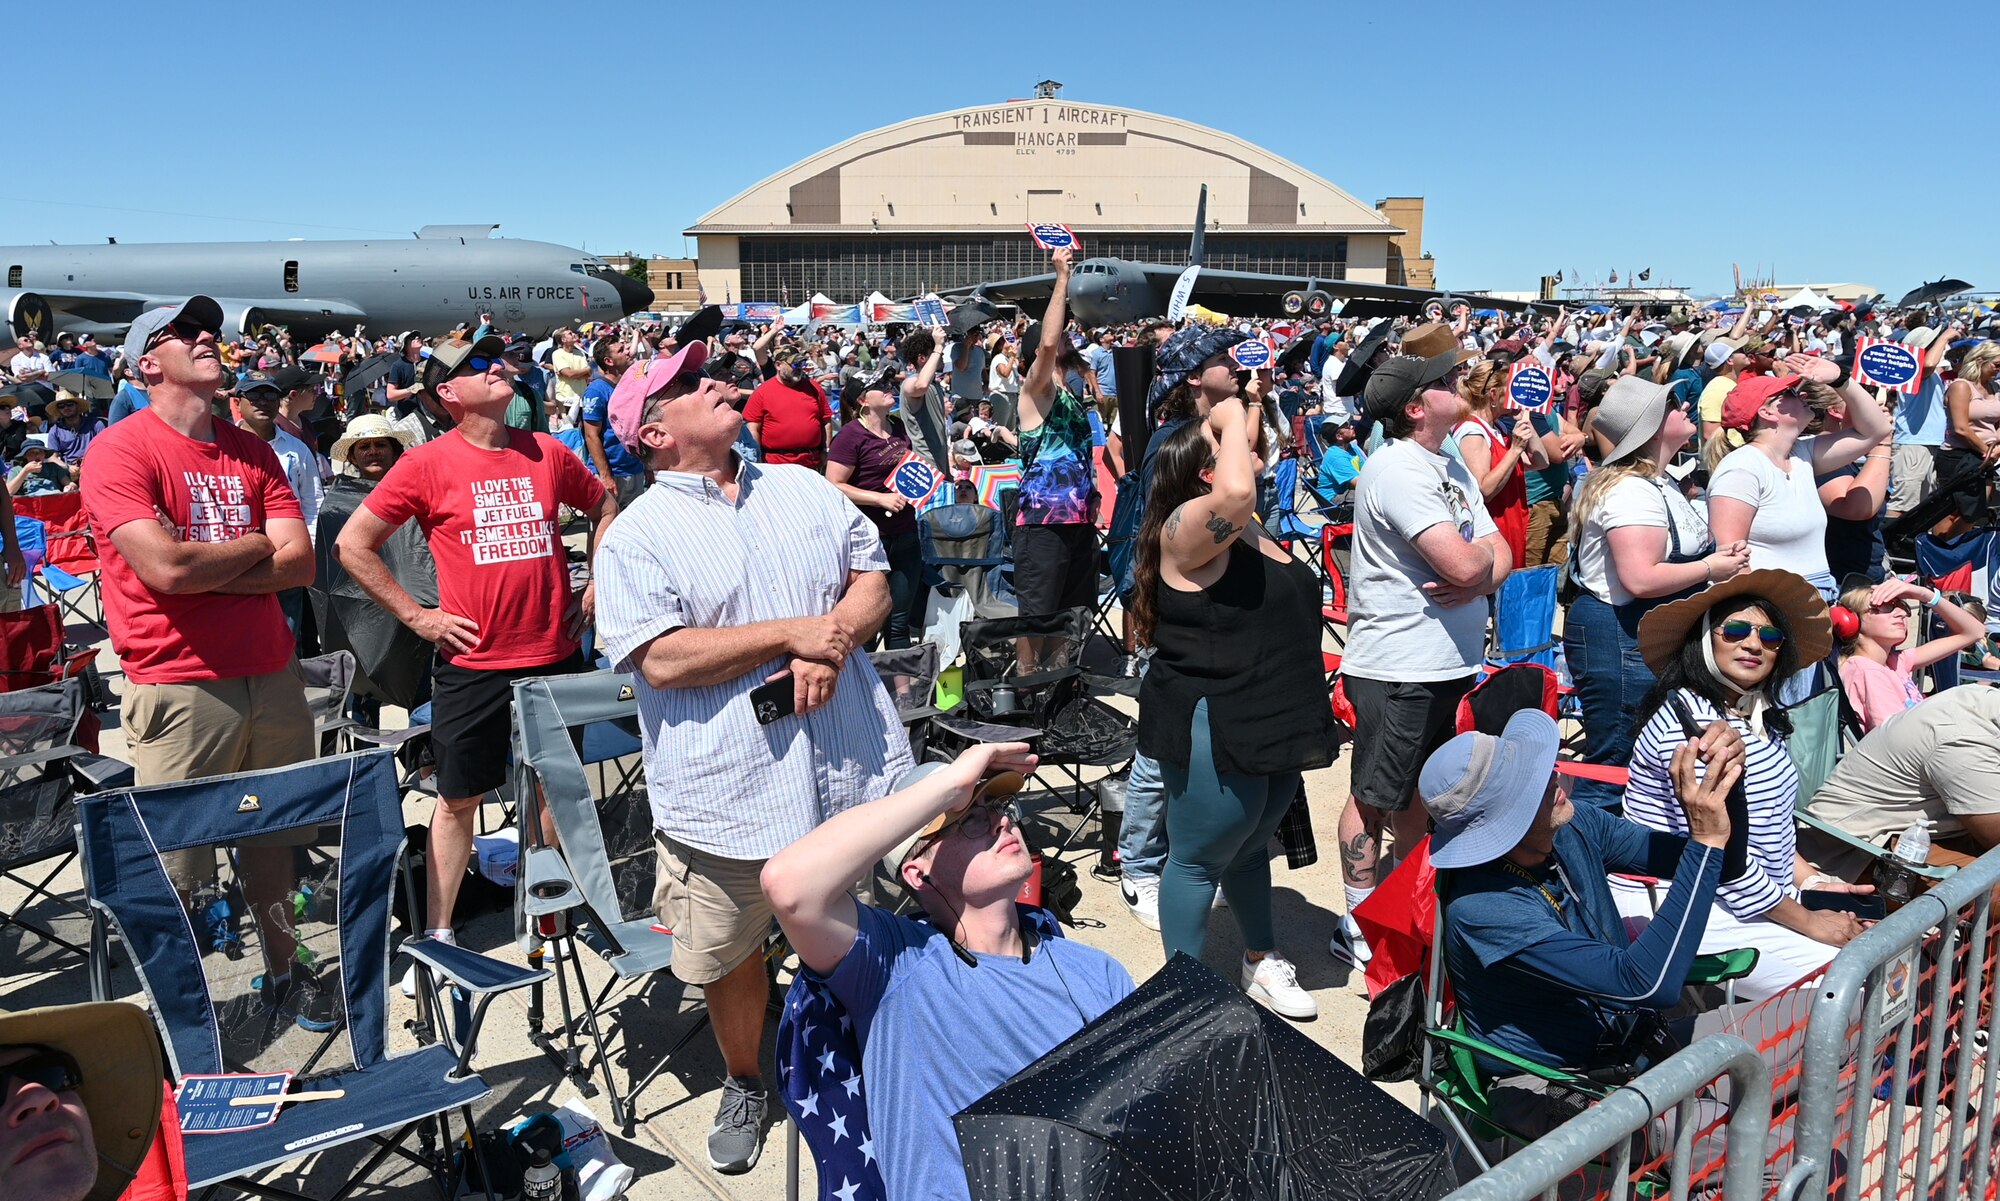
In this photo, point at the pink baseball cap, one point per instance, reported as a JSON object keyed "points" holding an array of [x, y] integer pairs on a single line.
{"points": [[642, 381]]}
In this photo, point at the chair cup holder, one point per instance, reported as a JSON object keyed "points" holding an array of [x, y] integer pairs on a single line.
{"points": [[549, 890]]}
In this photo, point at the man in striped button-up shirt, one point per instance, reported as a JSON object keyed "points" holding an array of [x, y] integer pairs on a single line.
{"points": [[726, 575]]}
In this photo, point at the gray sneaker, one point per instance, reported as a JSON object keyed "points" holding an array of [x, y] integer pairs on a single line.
{"points": [[737, 1137]]}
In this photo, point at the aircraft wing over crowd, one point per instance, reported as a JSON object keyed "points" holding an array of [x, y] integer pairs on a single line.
{"points": [[444, 275]]}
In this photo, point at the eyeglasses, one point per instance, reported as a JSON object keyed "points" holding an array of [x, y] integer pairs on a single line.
{"points": [[480, 364], [980, 821], [1737, 629], [48, 1067]]}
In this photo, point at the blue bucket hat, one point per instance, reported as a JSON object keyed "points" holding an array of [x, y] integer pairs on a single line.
{"points": [[1185, 351], [1483, 792]]}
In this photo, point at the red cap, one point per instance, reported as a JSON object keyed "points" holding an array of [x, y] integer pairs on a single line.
{"points": [[1751, 393]]}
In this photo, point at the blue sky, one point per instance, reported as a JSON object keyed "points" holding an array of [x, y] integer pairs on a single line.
{"points": [[1823, 144]]}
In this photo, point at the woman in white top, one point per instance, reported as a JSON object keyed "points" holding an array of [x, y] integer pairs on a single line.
{"points": [[1635, 542], [1766, 491]]}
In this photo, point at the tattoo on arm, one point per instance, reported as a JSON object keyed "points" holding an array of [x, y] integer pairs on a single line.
{"points": [[1173, 524], [1220, 526], [1357, 860]]}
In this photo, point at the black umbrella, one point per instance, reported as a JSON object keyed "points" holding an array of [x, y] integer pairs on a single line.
{"points": [[35, 396], [86, 385], [1189, 1089], [365, 374], [1938, 290], [969, 314], [1354, 375]]}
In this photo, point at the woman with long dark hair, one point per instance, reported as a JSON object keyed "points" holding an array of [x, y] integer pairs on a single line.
{"points": [[1720, 655], [1234, 706], [859, 462]]}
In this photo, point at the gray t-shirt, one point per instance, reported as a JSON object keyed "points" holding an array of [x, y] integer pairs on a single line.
{"points": [[1395, 632], [970, 382]]}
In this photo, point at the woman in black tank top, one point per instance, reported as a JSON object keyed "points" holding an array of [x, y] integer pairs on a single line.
{"points": [[1233, 707]]}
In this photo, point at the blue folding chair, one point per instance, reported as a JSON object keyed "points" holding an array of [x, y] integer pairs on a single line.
{"points": [[256, 910], [47, 583], [1524, 617]]}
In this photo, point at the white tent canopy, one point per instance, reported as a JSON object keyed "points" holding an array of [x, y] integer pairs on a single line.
{"points": [[1809, 298]]}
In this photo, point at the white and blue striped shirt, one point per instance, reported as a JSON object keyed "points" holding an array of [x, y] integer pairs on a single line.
{"points": [[1770, 785], [683, 556]]}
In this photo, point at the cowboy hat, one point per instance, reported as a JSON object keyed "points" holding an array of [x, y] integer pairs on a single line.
{"points": [[365, 428], [118, 1056], [1663, 631]]}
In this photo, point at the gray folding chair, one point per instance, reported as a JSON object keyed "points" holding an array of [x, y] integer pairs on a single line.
{"points": [[329, 684], [594, 887], [910, 674]]}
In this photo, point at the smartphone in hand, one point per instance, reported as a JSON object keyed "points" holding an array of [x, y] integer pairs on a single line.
{"points": [[773, 700]]}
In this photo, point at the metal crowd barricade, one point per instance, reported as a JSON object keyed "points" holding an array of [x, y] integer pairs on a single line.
{"points": [[1604, 1133], [1896, 1097]]}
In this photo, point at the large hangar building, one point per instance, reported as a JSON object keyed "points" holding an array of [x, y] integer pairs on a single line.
{"points": [[942, 202]]}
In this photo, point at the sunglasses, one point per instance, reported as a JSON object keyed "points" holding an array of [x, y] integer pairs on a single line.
{"points": [[1737, 629], [180, 331], [47, 1067], [480, 364]]}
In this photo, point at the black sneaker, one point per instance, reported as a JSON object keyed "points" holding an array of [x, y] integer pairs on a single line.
{"points": [[737, 1137]]}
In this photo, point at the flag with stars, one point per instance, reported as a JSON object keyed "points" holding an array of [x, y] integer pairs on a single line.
{"points": [[819, 1080]]}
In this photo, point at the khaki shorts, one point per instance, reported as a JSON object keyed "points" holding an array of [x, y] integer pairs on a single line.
{"points": [[215, 727], [1912, 476], [715, 907]]}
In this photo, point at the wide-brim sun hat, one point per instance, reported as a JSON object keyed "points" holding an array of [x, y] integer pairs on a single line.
{"points": [[1483, 791], [1665, 630], [367, 428], [118, 1055], [1630, 415]]}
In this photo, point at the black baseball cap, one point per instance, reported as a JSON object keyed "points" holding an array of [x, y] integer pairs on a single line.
{"points": [[257, 381], [291, 379], [1391, 385]]}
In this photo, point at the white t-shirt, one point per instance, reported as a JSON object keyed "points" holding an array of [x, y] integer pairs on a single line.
{"points": [[302, 472], [1009, 383], [1788, 532], [1395, 631], [1634, 501]]}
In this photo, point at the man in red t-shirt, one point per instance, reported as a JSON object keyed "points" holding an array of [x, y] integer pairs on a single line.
{"points": [[788, 414], [197, 532], [487, 497]]}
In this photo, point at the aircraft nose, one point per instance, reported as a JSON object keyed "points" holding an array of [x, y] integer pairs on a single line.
{"points": [[633, 296]]}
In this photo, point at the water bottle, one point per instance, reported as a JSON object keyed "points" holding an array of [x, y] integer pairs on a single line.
{"points": [[1894, 879], [543, 1180], [1913, 846]]}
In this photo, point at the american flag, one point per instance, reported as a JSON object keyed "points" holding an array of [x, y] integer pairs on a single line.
{"points": [[819, 1080]]}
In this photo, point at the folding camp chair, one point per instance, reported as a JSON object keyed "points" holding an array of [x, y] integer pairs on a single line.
{"points": [[42, 771], [72, 552], [1285, 522], [47, 583], [329, 684], [595, 885], [910, 674], [1334, 543], [256, 909], [1024, 681], [1504, 693], [1823, 727], [33, 651], [966, 548], [1524, 617]]}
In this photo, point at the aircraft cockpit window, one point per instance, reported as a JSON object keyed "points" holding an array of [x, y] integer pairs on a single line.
{"points": [[578, 268]]}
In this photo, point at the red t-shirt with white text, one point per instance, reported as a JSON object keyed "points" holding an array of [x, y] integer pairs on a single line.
{"points": [[212, 492], [491, 518]]}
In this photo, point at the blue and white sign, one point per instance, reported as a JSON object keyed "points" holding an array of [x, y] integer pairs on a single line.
{"points": [[206, 1102], [762, 312], [1888, 364], [1529, 385], [930, 311], [915, 478], [1251, 354], [1183, 288], [1050, 236]]}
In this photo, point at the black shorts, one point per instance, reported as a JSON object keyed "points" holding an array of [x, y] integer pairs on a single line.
{"points": [[1055, 567], [1398, 724], [472, 720]]}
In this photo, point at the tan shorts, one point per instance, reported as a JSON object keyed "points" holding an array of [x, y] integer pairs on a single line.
{"points": [[1912, 476], [715, 907], [215, 727]]}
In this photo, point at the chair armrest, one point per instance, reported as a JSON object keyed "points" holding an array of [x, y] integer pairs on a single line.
{"points": [[388, 738], [1459, 1038], [101, 772], [1879, 852], [469, 970], [546, 883], [1723, 966]]}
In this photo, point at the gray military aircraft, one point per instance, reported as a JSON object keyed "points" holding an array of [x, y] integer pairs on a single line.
{"points": [[1112, 291], [444, 275]]}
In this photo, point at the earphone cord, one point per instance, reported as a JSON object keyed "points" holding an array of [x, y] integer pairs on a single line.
{"points": [[970, 960]]}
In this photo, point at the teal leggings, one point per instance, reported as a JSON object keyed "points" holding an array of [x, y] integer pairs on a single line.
{"points": [[1219, 828]]}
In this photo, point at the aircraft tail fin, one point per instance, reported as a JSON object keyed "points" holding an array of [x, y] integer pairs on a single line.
{"points": [[1197, 245]]}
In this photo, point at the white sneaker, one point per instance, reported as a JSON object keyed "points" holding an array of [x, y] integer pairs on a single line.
{"points": [[1274, 982], [1348, 944], [1220, 901], [409, 984], [1142, 897]]}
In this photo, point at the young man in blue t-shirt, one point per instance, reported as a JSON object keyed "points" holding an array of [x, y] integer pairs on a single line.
{"points": [[947, 1010]]}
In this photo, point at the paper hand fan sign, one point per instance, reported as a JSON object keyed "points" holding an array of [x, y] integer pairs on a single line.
{"points": [[1888, 365], [930, 311], [1252, 354], [206, 1103], [915, 478], [1529, 385], [1050, 236]]}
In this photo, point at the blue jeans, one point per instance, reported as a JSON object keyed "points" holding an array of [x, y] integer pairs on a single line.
{"points": [[1219, 829], [1601, 644], [1142, 833]]}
